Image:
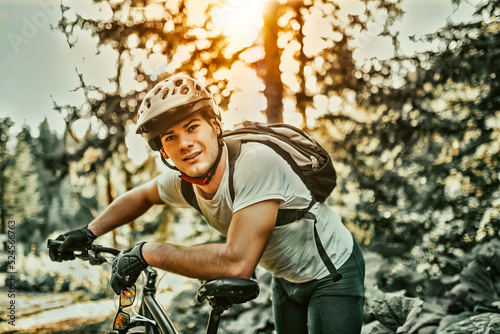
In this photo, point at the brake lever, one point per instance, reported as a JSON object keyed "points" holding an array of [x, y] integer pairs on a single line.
{"points": [[84, 255], [95, 258]]}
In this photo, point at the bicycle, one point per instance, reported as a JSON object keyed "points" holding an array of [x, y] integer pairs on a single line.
{"points": [[151, 317]]}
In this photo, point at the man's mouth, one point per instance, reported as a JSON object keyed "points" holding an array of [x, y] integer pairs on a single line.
{"points": [[192, 156]]}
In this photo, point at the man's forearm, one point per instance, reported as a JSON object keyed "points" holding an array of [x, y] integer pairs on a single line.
{"points": [[123, 210], [246, 241], [206, 261]]}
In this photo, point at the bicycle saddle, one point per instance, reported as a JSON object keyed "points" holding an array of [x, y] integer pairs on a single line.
{"points": [[234, 290]]}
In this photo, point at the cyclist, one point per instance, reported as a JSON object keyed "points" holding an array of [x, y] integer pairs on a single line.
{"points": [[180, 118]]}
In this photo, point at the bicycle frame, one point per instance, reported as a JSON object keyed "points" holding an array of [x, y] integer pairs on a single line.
{"points": [[152, 309]]}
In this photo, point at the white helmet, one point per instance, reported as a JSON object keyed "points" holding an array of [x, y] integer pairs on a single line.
{"points": [[168, 103]]}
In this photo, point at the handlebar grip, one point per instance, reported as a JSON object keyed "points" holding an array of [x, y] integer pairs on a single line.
{"points": [[96, 248], [56, 243], [53, 243]]}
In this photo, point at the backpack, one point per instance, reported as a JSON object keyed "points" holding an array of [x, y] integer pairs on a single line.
{"points": [[305, 156]]}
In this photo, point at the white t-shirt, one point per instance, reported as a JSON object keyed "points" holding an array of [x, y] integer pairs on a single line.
{"points": [[261, 174]]}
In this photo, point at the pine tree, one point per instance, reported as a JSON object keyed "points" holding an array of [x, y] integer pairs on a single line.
{"points": [[22, 192], [5, 162]]}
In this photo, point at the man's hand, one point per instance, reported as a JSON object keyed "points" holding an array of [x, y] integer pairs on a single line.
{"points": [[75, 238], [127, 267]]}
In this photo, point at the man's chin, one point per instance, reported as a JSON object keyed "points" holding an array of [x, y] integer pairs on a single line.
{"points": [[194, 173]]}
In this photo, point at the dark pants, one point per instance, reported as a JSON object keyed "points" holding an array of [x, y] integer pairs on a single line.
{"points": [[321, 306]]}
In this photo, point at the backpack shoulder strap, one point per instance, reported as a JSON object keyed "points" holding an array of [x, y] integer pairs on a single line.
{"points": [[233, 151], [189, 196]]}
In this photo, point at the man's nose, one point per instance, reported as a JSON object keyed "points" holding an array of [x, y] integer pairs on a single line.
{"points": [[185, 142]]}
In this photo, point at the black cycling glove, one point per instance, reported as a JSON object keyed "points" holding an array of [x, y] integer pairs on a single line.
{"points": [[75, 238], [127, 267]]}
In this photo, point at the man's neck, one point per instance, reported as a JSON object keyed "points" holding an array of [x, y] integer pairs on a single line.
{"points": [[209, 191]]}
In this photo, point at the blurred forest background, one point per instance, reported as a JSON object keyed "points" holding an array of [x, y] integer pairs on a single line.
{"points": [[415, 140]]}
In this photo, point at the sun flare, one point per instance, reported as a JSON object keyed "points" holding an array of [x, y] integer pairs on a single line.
{"points": [[240, 21]]}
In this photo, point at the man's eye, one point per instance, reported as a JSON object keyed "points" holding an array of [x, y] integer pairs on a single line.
{"points": [[192, 127], [168, 138]]}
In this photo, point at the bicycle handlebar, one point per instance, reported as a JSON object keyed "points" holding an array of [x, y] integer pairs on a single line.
{"points": [[92, 253]]}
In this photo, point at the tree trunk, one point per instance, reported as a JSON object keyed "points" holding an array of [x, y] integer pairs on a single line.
{"points": [[269, 67], [301, 97]]}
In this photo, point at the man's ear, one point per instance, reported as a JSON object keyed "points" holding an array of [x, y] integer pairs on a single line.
{"points": [[216, 126], [163, 153]]}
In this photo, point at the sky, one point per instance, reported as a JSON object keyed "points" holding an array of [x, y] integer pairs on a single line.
{"points": [[37, 66]]}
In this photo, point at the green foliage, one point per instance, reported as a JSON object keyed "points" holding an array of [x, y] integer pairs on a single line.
{"points": [[479, 287], [472, 304], [484, 323], [419, 176], [393, 311]]}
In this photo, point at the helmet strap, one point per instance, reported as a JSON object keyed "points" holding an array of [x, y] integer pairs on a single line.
{"points": [[200, 181], [169, 165]]}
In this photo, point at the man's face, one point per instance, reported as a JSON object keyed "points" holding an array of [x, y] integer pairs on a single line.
{"points": [[192, 145]]}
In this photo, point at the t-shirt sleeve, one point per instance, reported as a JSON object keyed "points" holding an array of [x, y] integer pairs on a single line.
{"points": [[169, 188], [258, 176]]}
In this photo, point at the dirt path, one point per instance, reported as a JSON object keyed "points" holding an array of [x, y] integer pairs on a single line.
{"points": [[98, 325], [38, 313]]}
